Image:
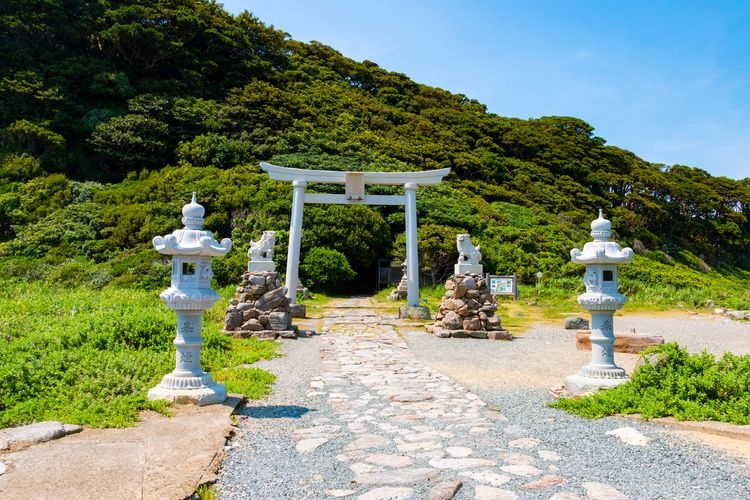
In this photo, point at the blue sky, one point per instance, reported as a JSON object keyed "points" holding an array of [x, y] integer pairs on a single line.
{"points": [[667, 80]]}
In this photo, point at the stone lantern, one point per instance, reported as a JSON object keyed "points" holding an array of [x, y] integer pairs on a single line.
{"points": [[188, 296], [601, 258]]}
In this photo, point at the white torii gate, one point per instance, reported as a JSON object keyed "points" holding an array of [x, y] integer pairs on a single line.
{"points": [[355, 183]]}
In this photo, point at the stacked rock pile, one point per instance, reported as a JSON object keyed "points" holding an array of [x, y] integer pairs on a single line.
{"points": [[468, 310], [401, 291], [260, 308]]}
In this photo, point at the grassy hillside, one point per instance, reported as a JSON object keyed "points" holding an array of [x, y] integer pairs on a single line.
{"points": [[111, 113]]}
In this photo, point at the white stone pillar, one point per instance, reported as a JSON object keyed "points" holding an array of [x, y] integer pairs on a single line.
{"points": [[412, 256], [295, 240], [188, 344], [603, 347]]}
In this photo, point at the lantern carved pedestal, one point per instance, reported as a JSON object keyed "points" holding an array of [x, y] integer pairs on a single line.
{"points": [[601, 258], [188, 296]]}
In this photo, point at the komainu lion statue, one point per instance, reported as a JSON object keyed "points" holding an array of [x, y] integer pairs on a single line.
{"points": [[263, 248], [467, 253]]}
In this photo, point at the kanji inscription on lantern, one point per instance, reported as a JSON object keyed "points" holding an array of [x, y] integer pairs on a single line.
{"points": [[188, 328]]}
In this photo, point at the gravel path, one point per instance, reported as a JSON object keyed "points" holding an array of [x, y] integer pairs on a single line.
{"points": [[372, 408]]}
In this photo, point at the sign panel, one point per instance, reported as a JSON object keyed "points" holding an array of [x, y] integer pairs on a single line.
{"points": [[503, 285]]}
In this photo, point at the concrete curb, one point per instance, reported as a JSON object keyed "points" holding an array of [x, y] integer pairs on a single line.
{"points": [[707, 427]]}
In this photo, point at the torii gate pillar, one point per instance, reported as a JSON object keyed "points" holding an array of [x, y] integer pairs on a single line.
{"points": [[295, 240], [412, 271], [355, 195]]}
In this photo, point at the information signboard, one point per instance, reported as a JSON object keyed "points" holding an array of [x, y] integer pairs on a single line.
{"points": [[503, 285]]}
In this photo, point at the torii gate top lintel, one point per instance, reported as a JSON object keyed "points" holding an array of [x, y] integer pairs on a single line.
{"points": [[355, 194], [426, 177]]}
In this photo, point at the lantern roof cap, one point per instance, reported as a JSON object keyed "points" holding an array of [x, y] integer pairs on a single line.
{"points": [[192, 239], [192, 213], [601, 250]]}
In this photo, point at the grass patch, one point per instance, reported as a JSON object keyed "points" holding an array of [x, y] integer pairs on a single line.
{"points": [[678, 384], [254, 383], [206, 492], [89, 357]]}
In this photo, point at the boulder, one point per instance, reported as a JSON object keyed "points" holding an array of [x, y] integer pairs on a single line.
{"points": [[473, 323], [452, 321], [452, 304], [493, 323], [279, 321], [576, 323], [252, 325], [250, 313], [470, 283], [258, 280], [499, 335], [232, 320]]}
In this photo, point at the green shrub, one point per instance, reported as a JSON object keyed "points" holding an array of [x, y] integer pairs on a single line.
{"points": [[325, 269], [20, 167], [673, 382]]}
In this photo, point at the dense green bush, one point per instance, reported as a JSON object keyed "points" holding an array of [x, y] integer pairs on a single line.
{"points": [[325, 269], [673, 382]]}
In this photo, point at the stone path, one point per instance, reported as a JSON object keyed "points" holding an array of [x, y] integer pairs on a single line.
{"points": [[388, 427], [436, 432]]}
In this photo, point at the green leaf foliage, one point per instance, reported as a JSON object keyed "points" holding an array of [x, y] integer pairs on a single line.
{"points": [[325, 268], [673, 382]]}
